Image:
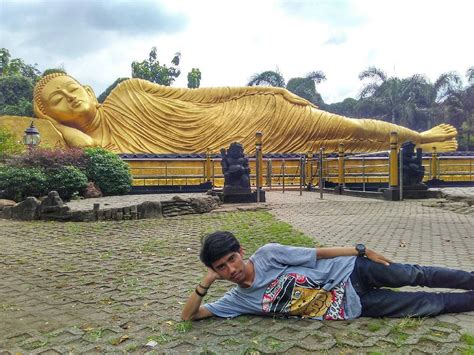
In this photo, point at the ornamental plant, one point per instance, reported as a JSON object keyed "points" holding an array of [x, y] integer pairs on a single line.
{"points": [[18, 183], [108, 171], [67, 181]]}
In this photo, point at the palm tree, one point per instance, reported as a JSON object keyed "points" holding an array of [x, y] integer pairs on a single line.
{"points": [[411, 101], [267, 78]]}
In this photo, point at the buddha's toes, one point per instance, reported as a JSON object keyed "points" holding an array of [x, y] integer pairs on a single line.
{"points": [[440, 133]]}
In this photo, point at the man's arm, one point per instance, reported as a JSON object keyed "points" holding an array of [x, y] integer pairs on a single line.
{"points": [[326, 253], [192, 309]]}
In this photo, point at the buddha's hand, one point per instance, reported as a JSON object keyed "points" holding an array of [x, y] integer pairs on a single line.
{"points": [[74, 137]]}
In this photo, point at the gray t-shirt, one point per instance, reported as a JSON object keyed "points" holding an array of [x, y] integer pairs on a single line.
{"points": [[290, 281]]}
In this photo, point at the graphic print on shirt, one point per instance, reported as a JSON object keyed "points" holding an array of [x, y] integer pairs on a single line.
{"points": [[297, 295]]}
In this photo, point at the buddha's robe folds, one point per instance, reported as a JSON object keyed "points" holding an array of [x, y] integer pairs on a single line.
{"points": [[142, 117]]}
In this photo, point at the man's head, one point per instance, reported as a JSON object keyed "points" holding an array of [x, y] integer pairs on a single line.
{"points": [[216, 245]]}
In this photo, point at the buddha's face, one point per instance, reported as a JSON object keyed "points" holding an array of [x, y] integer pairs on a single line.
{"points": [[68, 102]]}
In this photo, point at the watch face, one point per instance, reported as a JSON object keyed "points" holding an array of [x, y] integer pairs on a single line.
{"points": [[360, 249]]}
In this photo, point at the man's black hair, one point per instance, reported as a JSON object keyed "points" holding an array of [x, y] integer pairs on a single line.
{"points": [[216, 245]]}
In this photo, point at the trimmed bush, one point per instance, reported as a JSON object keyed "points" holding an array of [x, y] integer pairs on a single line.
{"points": [[51, 158], [67, 181], [19, 183], [108, 171]]}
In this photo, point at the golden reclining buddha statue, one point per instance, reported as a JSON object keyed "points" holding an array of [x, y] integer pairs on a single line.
{"points": [[142, 117]]}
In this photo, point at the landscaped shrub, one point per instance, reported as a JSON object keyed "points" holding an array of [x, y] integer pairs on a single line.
{"points": [[67, 181], [108, 171], [19, 183], [52, 158]]}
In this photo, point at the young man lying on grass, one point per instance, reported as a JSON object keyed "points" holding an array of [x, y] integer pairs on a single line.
{"points": [[324, 283]]}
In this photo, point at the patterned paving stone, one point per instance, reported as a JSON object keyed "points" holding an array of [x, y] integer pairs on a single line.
{"points": [[111, 287]]}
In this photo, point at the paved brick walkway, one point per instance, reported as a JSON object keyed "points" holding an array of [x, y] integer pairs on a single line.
{"points": [[114, 286]]}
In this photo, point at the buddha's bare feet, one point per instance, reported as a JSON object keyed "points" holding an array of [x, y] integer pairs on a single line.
{"points": [[440, 133], [446, 146]]}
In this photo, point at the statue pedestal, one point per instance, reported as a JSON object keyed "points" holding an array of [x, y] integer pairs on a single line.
{"points": [[391, 194], [242, 197]]}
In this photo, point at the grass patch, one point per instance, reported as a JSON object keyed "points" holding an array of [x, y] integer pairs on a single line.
{"points": [[162, 338], [374, 325], [468, 338], [183, 327], [409, 323], [256, 228]]}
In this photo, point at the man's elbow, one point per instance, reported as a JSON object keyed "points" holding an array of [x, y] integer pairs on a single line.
{"points": [[187, 317]]}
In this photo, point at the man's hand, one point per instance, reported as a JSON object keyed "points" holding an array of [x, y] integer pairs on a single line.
{"points": [[325, 253], [192, 309], [375, 257], [210, 277]]}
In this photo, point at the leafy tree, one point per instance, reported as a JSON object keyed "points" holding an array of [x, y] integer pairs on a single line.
{"points": [[194, 78], [16, 66], [107, 91], [151, 69], [16, 95], [304, 87], [16, 85]]}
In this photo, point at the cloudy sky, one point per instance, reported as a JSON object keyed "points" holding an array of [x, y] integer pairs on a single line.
{"points": [[96, 40]]}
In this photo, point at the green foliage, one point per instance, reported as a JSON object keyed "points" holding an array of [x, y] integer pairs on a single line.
{"points": [[302, 87], [108, 171], [194, 78], [151, 69], [107, 91], [16, 95], [16, 66], [67, 181], [19, 183], [8, 144], [51, 158], [267, 78], [305, 88]]}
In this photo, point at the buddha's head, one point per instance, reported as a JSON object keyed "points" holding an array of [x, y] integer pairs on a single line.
{"points": [[60, 97]]}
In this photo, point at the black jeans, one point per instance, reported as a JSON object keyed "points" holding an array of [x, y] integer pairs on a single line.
{"points": [[368, 277]]}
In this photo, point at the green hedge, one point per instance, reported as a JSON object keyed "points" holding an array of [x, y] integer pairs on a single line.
{"points": [[108, 171], [19, 183], [67, 181]]}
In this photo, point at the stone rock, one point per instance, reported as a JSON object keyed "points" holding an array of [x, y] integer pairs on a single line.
{"points": [[180, 199], [92, 191], [205, 204], [25, 210], [5, 203], [53, 207], [150, 209]]}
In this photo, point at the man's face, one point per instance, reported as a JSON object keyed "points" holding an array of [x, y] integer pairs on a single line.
{"points": [[231, 267]]}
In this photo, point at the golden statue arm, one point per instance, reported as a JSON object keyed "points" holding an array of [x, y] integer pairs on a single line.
{"points": [[74, 137]]}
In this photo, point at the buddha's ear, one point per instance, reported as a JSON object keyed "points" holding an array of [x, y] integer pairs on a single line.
{"points": [[91, 93]]}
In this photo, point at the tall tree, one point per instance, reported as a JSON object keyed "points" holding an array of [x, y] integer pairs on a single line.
{"points": [[194, 78], [304, 87], [151, 69], [17, 80], [267, 78]]}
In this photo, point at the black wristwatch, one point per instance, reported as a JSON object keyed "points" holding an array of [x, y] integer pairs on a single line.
{"points": [[360, 250]]}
